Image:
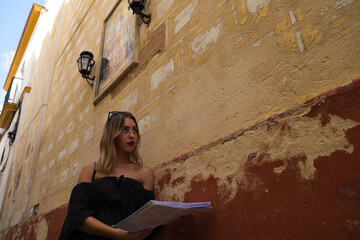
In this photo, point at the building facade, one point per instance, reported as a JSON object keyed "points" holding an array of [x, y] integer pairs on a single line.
{"points": [[250, 104]]}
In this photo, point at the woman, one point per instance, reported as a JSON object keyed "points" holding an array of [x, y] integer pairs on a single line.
{"points": [[113, 188]]}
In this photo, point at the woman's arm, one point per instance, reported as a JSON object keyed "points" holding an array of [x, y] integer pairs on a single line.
{"points": [[148, 178], [93, 226], [86, 173]]}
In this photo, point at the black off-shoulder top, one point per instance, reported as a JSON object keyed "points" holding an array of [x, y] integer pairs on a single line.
{"points": [[108, 199]]}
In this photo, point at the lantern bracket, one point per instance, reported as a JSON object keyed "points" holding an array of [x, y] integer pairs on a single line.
{"points": [[137, 6], [91, 82]]}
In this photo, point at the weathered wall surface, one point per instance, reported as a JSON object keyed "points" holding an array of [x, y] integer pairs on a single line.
{"points": [[260, 186], [228, 98], [292, 176]]}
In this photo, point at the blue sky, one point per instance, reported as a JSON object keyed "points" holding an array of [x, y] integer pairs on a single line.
{"points": [[13, 16]]}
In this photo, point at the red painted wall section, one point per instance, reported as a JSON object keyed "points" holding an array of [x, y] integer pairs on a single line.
{"points": [[272, 198], [47, 226]]}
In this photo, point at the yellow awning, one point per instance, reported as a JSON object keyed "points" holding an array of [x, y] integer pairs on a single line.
{"points": [[7, 113], [29, 28]]}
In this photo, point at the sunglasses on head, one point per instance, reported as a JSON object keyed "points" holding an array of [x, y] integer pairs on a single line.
{"points": [[113, 113]]}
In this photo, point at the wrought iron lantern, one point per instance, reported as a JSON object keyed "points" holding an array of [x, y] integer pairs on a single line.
{"points": [[86, 63], [138, 6], [11, 136]]}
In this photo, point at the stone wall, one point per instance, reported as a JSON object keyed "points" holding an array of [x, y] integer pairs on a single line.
{"points": [[249, 104]]}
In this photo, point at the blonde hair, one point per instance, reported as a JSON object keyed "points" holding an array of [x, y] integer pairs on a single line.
{"points": [[112, 129]]}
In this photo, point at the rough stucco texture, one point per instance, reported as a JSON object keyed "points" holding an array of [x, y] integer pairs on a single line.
{"points": [[260, 187], [46, 227], [275, 180]]}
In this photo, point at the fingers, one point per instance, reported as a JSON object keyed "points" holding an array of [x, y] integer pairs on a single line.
{"points": [[141, 234], [145, 233], [122, 234]]}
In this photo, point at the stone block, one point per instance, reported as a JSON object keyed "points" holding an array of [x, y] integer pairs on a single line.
{"points": [[89, 134], [74, 145]]}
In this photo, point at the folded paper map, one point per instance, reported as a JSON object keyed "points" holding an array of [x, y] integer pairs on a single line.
{"points": [[155, 213]]}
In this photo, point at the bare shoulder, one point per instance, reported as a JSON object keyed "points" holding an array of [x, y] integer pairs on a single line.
{"points": [[148, 177], [86, 173], [146, 170]]}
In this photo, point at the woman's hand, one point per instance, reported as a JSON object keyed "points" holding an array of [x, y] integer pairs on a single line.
{"points": [[120, 234]]}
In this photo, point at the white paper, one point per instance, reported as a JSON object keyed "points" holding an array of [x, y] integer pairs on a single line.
{"points": [[155, 213]]}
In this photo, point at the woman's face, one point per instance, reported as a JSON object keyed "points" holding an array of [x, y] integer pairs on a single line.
{"points": [[127, 140]]}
